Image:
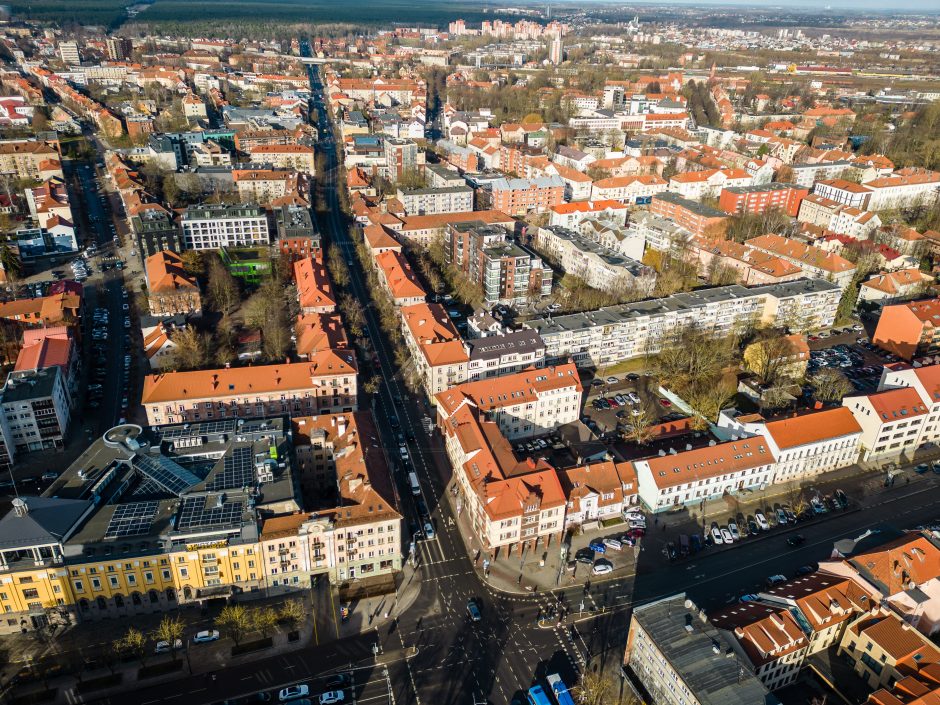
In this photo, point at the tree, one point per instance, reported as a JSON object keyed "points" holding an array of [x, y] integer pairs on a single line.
{"points": [[267, 309], [596, 688], [264, 620], [234, 620], [134, 643], [770, 357], [222, 289], [170, 630], [10, 262], [638, 427], [353, 314], [291, 613], [830, 385], [194, 263], [336, 264], [192, 349]]}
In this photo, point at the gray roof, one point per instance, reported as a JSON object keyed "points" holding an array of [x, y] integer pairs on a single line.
{"points": [[24, 385], [694, 206], [48, 521], [492, 347], [690, 645]]}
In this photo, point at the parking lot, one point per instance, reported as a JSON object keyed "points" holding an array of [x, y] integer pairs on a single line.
{"points": [[609, 401]]}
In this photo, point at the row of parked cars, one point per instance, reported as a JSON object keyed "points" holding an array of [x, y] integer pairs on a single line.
{"points": [[636, 523]]}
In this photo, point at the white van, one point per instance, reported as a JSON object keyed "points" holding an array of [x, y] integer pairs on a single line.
{"points": [[415, 487]]}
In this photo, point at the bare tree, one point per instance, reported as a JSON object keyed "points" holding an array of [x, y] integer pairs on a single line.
{"points": [[596, 688], [770, 358], [264, 620], [235, 621], [638, 426], [291, 613], [170, 630], [221, 287], [134, 643], [830, 385]]}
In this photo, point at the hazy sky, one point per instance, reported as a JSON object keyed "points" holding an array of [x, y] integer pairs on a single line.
{"points": [[932, 6]]}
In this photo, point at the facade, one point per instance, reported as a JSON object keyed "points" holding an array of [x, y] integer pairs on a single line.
{"points": [[617, 333], [440, 359], [314, 290], [629, 189], [909, 329], [36, 407], [689, 215], [893, 421], [679, 658], [903, 189], [324, 384], [214, 227], [597, 491], [503, 354], [285, 156], [170, 289], [848, 193], [708, 183], [27, 159], [528, 403], [401, 157], [571, 215], [155, 230], [431, 201], [814, 261], [895, 286], [398, 279], [762, 198], [521, 196], [264, 185]]}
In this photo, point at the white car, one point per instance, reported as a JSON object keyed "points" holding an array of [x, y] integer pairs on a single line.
{"points": [[164, 646], [292, 692], [716, 535], [637, 523], [761, 521], [726, 536], [613, 544], [332, 696], [733, 528], [602, 568], [206, 636]]}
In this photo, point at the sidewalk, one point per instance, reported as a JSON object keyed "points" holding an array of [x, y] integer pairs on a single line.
{"points": [[373, 612]]}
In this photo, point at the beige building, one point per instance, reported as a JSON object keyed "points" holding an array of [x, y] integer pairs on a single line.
{"points": [[26, 159], [264, 185], [438, 353], [285, 156]]}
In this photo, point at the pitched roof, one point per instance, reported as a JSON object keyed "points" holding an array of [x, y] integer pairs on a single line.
{"points": [[166, 274], [399, 276], [701, 463], [313, 284], [522, 387], [813, 427], [434, 334]]}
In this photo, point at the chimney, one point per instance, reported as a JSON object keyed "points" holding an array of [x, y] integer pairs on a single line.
{"points": [[19, 507]]}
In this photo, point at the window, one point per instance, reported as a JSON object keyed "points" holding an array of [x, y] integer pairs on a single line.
{"points": [[30, 593]]}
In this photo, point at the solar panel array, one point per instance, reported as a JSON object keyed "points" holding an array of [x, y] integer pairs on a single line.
{"points": [[238, 470], [166, 473], [203, 512], [132, 519], [202, 428]]}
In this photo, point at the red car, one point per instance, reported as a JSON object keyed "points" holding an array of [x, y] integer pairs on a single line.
{"points": [[636, 533], [613, 402], [665, 402]]}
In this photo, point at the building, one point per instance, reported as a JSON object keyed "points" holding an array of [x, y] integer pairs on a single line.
{"points": [[677, 658], [690, 477], [29, 159], [264, 185], [903, 189], [597, 492], [571, 215], [171, 290], [401, 157], [597, 265], [314, 291], [909, 329], [398, 279], [848, 193], [119, 48], [423, 230], [213, 227], [316, 332], [36, 407], [504, 353], [520, 196], [692, 216], [814, 261], [285, 156], [297, 237], [768, 637], [529, 403], [613, 334], [155, 231], [324, 384], [707, 183], [432, 201], [762, 198], [803, 445], [68, 52], [895, 286], [893, 421], [440, 359], [638, 190], [751, 267]]}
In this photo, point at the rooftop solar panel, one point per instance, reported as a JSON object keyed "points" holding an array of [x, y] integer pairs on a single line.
{"points": [[166, 473], [207, 511], [238, 470], [132, 519]]}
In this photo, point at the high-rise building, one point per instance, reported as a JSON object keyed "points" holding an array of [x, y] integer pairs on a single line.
{"points": [[119, 48], [557, 51], [401, 156], [68, 52]]}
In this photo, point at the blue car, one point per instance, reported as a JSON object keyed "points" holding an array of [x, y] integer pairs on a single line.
{"points": [[597, 547]]}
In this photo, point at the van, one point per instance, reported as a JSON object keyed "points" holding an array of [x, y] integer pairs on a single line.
{"points": [[415, 487]]}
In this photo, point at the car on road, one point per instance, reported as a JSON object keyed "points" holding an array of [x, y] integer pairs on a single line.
{"points": [[776, 580], [331, 697], [340, 680], [796, 540], [473, 610], [164, 646], [602, 568], [428, 530], [597, 546], [749, 598], [922, 468], [804, 570], [293, 692], [206, 636]]}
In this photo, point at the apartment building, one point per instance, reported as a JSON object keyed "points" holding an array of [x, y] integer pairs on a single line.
{"points": [[636, 190], [762, 198], [440, 359], [814, 261], [594, 263], [909, 329], [597, 491], [284, 156], [402, 156], [316, 332], [29, 159], [687, 478], [398, 279], [893, 421], [504, 353], [807, 174], [505, 270], [848, 193], [214, 227], [895, 286], [314, 290], [171, 290], [264, 185], [324, 384], [525, 404], [613, 334], [751, 267], [689, 215], [363, 536], [571, 215], [766, 636], [423, 230], [156, 230], [903, 189], [511, 504], [803, 445], [36, 407], [838, 218], [521, 196], [679, 658], [432, 201], [708, 183]]}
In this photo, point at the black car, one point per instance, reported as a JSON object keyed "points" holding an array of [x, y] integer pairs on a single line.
{"points": [[585, 555], [796, 540], [339, 681], [422, 508], [804, 570]]}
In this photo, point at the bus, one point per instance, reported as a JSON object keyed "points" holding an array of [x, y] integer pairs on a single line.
{"points": [[559, 689], [537, 696]]}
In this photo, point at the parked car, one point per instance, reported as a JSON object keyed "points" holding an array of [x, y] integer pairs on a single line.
{"points": [[726, 536], [164, 646], [761, 521], [733, 529], [331, 697], [292, 692], [716, 534], [749, 598], [613, 544], [206, 636], [776, 580], [597, 546], [585, 555], [602, 568], [804, 570]]}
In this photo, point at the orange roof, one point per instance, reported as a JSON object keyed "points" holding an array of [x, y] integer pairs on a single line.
{"points": [[625, 181], [804, 254], [399, 276], [165, 273], [314, 290], [701, 463], [610, 479], [897, 404], [587, 206], [247, 381], [434, 334], [929, 177], [571, 174], [813, 427], [894, 282], [706, 174], [509, 390], [765, 632], [825, 599], [439, 220], [320, 331], [46, 351], [902, 642], [844, 185], [379, 238]]}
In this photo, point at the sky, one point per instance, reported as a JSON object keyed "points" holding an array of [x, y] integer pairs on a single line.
{"points": [[931, 6]]}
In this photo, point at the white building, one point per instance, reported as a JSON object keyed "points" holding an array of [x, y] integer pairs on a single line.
{"points": [[212, 227], [430, 201]]}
